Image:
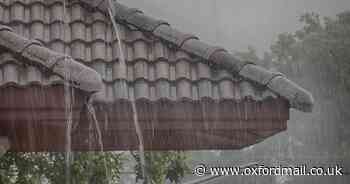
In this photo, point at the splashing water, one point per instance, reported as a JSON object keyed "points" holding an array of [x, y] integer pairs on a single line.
{"points": [[93, 118], [133, 104]]}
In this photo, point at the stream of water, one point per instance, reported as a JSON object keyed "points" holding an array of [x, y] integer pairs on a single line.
{"points": [[93, 119], [68, 100], [133, 103], [68, 94]]}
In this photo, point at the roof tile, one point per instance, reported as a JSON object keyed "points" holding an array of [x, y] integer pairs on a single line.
{"points": [[98, 50], [160, 51], [172, 35], [17, 12], [98, 31], [162, 70], [37, 31], [77, 13], [78, 50], [117, 72], [141, 70], [226, 89], [204, 72], [100, 67], [11, 73], [141, 89], [205, 88], [37, 12], [163, 89], [120, 89], [33, 74], [56, 31], [140, 50], [183, 89], [56, 13], [78, 31], [183, 69], [247, 90], [154, 70]]}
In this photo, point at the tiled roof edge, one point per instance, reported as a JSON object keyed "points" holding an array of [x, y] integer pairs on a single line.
{"points": [[79, 75], [298, 97]]}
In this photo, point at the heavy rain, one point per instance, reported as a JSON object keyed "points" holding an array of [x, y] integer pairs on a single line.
{"points": [[98, 92]]}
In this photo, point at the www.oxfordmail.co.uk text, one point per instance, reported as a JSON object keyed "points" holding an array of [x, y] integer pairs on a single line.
{"points": [[261, 170]]}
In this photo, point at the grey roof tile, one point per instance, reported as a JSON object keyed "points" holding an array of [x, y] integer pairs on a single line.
{"points": [[183, 69], [33, 52], [163, 89], [226, 89], [205, 89], [210, 54], [162, 70], [184, 89], [77, 13], [34, 74], [173, 35], [11, 73], [160, 51], [37, 12], [204, 72], [17, 12], [140, 49], [56, 13], [98, 31], [78, 31], [154, 70]]}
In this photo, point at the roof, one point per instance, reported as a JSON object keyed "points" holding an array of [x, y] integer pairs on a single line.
{"points": [[32, 52], [162, 62], [298, 97], [183, 100]]}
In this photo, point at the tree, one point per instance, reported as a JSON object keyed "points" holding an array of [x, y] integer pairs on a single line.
{"points": [[283, 49], [34, 168], [318, 55], [88, 167], [324, 41], [162, 166]]}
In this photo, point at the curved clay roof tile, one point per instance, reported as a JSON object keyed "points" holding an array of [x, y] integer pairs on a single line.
{"points": [[298, 97], [78, 74]]}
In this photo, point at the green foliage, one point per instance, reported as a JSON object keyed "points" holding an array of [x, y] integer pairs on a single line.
{"points": [[88, 167], [161, 166], [283, 48], [312, 24], [325, 41], [32, 168]]}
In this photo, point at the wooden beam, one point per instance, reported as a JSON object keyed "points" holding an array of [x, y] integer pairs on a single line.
{"points": [[34, 119]]}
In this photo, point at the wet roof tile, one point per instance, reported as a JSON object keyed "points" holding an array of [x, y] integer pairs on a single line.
{"points": [[154, 69]]}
